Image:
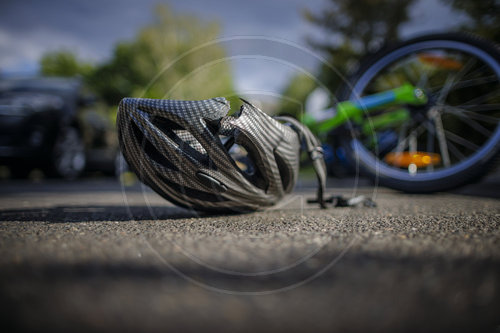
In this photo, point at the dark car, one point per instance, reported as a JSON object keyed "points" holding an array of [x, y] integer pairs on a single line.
{"points": [[42, 125]]}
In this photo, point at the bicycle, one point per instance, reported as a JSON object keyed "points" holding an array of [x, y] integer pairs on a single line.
{"points": [[422, 115]]}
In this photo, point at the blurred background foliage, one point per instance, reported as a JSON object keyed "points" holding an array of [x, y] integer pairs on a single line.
{"points": [[173, 57], [358, 28], [64, 63], [484, 17], [295, 94]]}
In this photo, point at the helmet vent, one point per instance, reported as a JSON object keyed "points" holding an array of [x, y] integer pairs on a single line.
{"points": [[285, 171], [151, 150], [184, 140], [247, 163], [242, 160]]}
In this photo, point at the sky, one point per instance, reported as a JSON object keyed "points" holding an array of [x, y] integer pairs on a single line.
{"points": [[266, 39]]}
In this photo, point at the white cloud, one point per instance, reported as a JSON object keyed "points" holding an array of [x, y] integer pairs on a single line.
{"points": [[22, 51]]}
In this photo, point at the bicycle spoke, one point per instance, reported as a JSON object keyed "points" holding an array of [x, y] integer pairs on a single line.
{"points": [[462, 114], [482, 68], [430, 141], [475, 82], [412, 148], [443, 93], [469, 114], [479, 108], [410, 73], [402, 135], [423, 79], [412, 143], [461, 141], [452, 79], [475, 125], [443, 148], [402, 144], [470, 83], [479, 99], [455, 151]]}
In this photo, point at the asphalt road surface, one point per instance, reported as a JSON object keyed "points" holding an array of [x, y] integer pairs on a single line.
{"points": [[93, 256]]}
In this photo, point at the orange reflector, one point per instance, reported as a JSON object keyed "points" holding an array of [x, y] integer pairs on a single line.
{"points": [[418, 158], [440, 61]]}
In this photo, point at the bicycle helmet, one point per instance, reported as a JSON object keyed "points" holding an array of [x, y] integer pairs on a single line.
{"points": [[184, 150]]}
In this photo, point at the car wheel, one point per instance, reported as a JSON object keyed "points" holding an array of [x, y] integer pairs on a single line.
{"points": [[68, 155]]}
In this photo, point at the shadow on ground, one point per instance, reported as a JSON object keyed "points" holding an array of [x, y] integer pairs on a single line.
{"points": [[486, 189], [390, 295], [62, 214]]}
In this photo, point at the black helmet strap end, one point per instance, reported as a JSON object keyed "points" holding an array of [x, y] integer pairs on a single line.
{"points": [[315, 153]]}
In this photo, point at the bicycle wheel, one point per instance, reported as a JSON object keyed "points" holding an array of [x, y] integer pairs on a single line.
{"points": [[458, 127]]}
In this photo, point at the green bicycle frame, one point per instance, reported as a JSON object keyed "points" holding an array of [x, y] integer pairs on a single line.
{"points": [[406, 94]]}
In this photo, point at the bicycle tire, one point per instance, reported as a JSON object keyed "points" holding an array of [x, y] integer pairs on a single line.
{"points": [[465, 171]]}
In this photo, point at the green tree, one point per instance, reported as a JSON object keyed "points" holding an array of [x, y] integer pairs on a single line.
{"points": [[64, 63], [295, 95], [170, 58], [355, 28], [484, 16]]}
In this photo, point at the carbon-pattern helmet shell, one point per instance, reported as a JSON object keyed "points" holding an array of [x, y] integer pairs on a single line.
{"points": [[175, 147]]}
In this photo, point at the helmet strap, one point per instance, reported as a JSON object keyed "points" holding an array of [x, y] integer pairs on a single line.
{"points": [[315, 153]]}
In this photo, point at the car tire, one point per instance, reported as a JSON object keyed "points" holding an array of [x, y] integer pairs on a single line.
{"points": [[68, 158]]}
